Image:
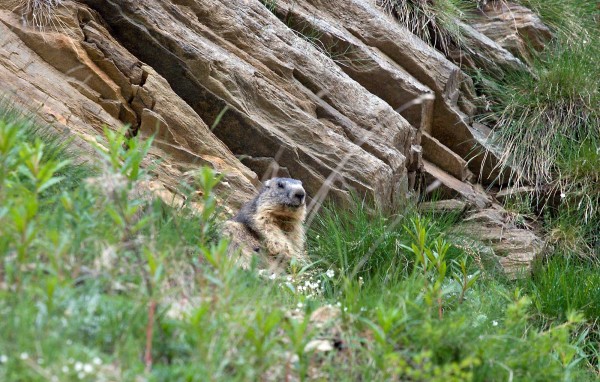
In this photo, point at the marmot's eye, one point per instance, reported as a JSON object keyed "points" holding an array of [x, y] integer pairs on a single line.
{"points": [[280, 185]]}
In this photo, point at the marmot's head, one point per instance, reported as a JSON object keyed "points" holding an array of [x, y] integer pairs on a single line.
{"points": [[283, 197]]}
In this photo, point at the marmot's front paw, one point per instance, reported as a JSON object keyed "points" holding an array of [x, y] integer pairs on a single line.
{"points": [[278, 248]]}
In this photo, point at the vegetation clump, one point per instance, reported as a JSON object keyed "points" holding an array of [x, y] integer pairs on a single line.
{"points": [[101, 282], [546, 121]]}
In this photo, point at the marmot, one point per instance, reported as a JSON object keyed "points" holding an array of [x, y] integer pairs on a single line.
{"points": [[271, 225]]}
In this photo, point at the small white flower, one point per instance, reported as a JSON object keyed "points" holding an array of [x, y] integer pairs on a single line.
{"points": [[338, 304], [24, 356], [363, 309], [273, 276], [562, 195], [65, 369], [87, 368], [97, 361], [3, 358], [81, 375], [300, 305], [69, 342], [78, 366], [330, 273], [494, 323]]}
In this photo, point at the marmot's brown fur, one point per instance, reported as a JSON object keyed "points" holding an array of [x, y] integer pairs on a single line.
{"points": [[271, 225]]}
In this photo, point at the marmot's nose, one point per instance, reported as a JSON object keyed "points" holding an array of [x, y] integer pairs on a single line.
{"points": [[299, 194]]}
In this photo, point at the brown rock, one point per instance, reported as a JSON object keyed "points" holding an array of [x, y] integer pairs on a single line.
{"points": [[78, 87], [282, 95], [447, 186], [444, 158], [515, 192], [514, 27], [516, 248], [377, 72], [478, 50], [453, 89], [444, 206]]}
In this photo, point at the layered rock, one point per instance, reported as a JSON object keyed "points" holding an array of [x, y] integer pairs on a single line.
{"points": [[512, 26], [78, 79], [284, 99], [515, 247], [345, 109]]}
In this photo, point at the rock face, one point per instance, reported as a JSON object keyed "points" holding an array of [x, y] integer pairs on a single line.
{"points": [[514, 27], [79, 79], [240, 56], [336, 96], [339, 96]]}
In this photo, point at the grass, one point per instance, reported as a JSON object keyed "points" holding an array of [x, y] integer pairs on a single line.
{"points": [[56, 148], [573, 17], [41, 13], [564, 283], [555, 294], [368, 242], [546, 119], [555, 105], [432, 21], [108, 286]]}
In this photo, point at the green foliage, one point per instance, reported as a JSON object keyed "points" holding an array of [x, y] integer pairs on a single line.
{"points": [[271, 5], [566, 284], [561, 285], [110, 284], [18, 127], [364, 241], [554, 105]]}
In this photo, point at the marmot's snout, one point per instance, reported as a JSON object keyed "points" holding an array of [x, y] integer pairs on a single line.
{"points": [[297, 196]]}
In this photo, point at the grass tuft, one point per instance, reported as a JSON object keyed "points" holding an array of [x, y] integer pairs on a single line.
{"points": [[41, 13], [432, 21]]}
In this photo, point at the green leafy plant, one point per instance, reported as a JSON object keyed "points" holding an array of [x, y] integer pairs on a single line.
{"points": [[112, 284]]}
